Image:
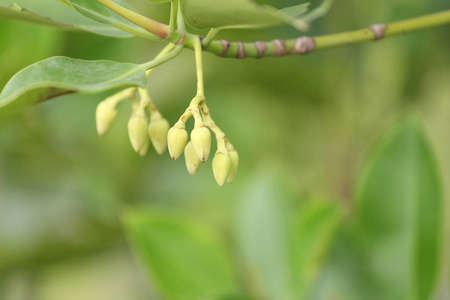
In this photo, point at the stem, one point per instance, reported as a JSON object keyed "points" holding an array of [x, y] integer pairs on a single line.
{"points": [[163, 52], [137, 31], [210, 36], [158, 29], [173, 15], [199, 66], [304, 45], [165, 58]]}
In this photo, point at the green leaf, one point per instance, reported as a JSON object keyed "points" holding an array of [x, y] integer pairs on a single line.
{"points": [[186, 259], [318, 12], [52, 13], [58, 76], [263, 237], [313, 234], [204, 14], [345, 274], [400, 214]]}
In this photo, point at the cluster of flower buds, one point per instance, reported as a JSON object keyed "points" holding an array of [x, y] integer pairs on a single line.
{"points": [[198, 149], [140, 130]]}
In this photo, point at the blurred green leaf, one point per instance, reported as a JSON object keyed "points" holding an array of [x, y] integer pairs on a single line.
{"points": [[204, 14], [51, 13], [313, 232], [263, 237], [283, 251], [345, 274], [186, 259], [400, 213], [58, 76]]}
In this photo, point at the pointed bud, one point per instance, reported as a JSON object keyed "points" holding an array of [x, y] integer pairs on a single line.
{"points": [[176, 140], [221, 167], [105, 116], [201, 141], [234, 159], [145, 148], [191, 158], [158, 129], [137, 131]]}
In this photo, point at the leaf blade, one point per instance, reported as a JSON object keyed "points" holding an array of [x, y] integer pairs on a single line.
{"points": [[51, 13], [400, 213], [56, 76], [313, 233], [186, 259], [205, 14]]}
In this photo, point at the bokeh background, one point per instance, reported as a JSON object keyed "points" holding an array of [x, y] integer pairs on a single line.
{"points": [[312, 119]]}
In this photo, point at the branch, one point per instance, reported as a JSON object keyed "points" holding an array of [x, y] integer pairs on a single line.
{"points": [[300, 45], [305, 45]]}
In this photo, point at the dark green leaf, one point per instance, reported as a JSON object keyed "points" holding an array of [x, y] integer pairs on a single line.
{"points": [[57, 76], [187, 260], [52, 13], [400, 212]]}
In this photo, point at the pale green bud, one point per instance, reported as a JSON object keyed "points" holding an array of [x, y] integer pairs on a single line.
{"points": [[221, 167], [191, 158], [234, 159], [105, 115], [176, 140], [158, 129], [144, 149], [137, 131], [201, 141]]}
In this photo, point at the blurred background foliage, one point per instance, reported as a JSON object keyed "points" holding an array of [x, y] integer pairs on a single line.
{"points": [[307, 124]]}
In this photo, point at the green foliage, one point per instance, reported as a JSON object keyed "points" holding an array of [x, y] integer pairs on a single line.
{"points": [[283, 249], [400, 214], [52, 13], [186, 259], [58, 76], [204, 14]]}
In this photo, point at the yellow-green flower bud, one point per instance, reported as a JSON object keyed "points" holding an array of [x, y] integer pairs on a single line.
{"points": [[144, 149], [137, 131], [234, 159], [105, 116], [221, 167], [158, 129], [191, 158], [201, 141], [176, 140]]}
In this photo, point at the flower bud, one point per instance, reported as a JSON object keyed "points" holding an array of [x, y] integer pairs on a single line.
{"points": [[144, 149], [157, 130], [137, 131], [234, 159], [176, 140], [105, 115], [221, 167], [191, 158], [201, 141]]}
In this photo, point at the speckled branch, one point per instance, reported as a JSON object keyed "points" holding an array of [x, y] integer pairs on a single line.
{"points": [[305, 44]]}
